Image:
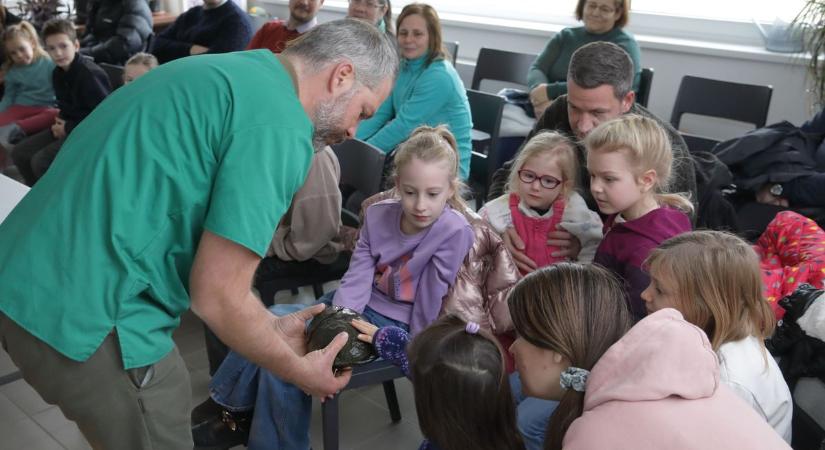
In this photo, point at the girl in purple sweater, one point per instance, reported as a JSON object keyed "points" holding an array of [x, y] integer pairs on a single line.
{"points": [[629, 161], [411, 247]]}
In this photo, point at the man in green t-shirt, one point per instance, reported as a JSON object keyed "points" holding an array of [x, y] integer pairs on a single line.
{"points": [[165, 198]]}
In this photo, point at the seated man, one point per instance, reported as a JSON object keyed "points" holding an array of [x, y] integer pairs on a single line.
{"points": [[274, 35], [116, 30], [219, 26], [599, 88], [309, 234]]}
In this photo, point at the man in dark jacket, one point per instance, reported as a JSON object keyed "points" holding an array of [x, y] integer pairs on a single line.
{"points": [[219, 26], [116, 30]]}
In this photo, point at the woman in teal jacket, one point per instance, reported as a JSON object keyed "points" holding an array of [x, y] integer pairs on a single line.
{"points": [[428, 90]]}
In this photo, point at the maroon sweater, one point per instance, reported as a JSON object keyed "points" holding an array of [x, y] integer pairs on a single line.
{"points": [[626, 245]]}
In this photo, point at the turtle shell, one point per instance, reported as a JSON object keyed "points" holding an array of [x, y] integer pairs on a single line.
{"points": [[325, 326]]}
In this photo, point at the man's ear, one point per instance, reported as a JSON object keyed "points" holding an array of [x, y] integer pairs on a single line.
{"points": [[627, 101], [647, 180], [341, 78]]}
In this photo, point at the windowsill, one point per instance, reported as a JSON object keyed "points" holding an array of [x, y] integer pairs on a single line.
{"points": [[654, 42]]}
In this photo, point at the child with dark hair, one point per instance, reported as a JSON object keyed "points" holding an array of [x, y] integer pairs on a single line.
{"points": [[462, 393], [79, 84]]}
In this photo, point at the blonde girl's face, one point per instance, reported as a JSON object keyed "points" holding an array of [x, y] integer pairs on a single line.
{"points": [[20, 51], [535, 194], [615, 186], [539, 369], [131, 72], [661, 292], [424, 188]]}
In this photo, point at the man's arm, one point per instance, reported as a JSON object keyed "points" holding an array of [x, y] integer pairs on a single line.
{"points": [[220, 290]]}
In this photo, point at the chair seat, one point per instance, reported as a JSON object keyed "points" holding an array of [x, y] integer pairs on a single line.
{"points": [[276, 275]]}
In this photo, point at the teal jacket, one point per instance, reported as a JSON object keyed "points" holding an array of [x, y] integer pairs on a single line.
{"points": [[29, 85], [551, 65], [423, 95]]}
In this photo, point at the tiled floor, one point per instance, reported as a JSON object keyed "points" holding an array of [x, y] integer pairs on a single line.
{"points": [[27, 422]]}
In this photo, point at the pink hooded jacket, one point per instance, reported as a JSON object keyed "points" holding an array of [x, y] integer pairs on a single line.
{"points": [[658, 388]]}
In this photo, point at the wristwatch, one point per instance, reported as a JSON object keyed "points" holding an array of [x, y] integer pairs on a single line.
{"points": [[776, 190]]}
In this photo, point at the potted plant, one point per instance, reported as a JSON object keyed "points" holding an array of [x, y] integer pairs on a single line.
{"points": [[812, 19]]}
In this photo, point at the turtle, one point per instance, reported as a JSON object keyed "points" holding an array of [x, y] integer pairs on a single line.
{"points": [[325, 326]]}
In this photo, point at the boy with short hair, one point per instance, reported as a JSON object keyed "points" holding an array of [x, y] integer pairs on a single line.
{"points": [[79, 85]]}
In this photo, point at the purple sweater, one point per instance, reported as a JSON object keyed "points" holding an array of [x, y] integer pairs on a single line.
{"points": [[404, 277], [626, 245]]}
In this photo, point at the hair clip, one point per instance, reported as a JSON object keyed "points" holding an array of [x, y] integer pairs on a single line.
{"points": [[574, 378], [472, 327]]}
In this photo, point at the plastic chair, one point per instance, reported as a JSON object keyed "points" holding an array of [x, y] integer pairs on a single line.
{"points": [[645, 82], [741, 102], [380, 371], [362, 170], [486, 110], [502, 65], [452, 49], [115, 74]]}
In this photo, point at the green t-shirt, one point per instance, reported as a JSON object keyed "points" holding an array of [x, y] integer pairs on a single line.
{"points": [[106, 239]]}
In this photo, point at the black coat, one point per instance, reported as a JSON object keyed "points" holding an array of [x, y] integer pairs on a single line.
{"points": [[79, 90], [116, 30], [775, 154]]}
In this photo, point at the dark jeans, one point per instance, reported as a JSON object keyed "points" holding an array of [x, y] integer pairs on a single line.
{"points": [[35, 154]]}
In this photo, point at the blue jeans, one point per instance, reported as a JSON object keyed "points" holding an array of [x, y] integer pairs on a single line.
{"points": [[282, 410], [532, 415]]}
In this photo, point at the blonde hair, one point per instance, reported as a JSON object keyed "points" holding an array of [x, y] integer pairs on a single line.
{"points": [[717, 283], [551, 143], [143, 59], [26, 31], [647, 147], [431, 145]]}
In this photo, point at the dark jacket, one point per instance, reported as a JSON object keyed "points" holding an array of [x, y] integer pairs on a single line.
{"points": [[116, 30], [223, 29], [555, 118], [777, 153], [79, 90]]}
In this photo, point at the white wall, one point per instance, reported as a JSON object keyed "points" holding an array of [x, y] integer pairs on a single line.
{"points": [[670, 58]]}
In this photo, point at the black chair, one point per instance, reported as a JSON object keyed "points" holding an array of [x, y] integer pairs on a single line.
{"points": [[645, 82], [502, 65], [741, 102], [362, 170], [452, 49], [115, 74], [696, 143], [380, 371], [486, 110]]}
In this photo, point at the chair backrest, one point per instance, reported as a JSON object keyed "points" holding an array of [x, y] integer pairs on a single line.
{"points": [[486, 110], [646, 80], [501, 65], [362, 167], [452, 49], [115, 74], [696, 143], [741, 102]]}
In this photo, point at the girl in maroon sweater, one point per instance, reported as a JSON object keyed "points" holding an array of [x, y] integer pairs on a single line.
{"points": [[629, 161]]}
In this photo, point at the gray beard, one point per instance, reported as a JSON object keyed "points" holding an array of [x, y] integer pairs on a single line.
{"points": [[328, 118]]}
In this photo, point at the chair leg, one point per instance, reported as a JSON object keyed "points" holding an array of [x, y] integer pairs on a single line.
{"points": [[318, 290], [329, 423], [392, 400]]}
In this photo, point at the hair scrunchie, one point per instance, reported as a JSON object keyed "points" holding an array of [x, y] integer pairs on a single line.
{"points": [[574, 378]]}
